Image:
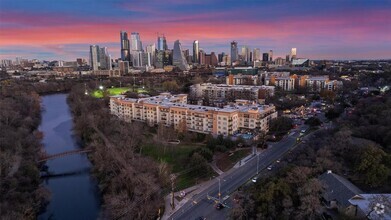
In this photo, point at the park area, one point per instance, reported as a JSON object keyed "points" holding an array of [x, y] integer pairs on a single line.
{"points": [[100, 93], [226, 160], [176, 156]]}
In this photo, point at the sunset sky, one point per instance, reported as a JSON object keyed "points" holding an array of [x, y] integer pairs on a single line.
{"points": [[324, 29]]}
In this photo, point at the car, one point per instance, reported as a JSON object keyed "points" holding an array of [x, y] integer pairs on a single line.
{"points": [[200, 218], [219, 206], [269, 168], [254, 180], [277, 161]]}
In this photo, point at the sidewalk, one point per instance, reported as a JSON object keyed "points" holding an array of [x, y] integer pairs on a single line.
{"points": [[246, 159], [215, 168], [190, 193]]}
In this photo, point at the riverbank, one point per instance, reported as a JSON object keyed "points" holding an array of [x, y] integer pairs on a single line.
{"points": [[131, 185], [21, 195]]}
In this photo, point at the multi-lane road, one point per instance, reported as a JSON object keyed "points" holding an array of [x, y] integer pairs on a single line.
{"points": [[199, 205]]}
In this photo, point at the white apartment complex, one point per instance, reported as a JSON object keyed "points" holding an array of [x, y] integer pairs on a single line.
{"points": [[222, 93], [172, 110]]}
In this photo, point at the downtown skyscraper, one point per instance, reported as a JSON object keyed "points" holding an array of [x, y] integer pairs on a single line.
{"points": [[293, 53], [137, 52], [234, 51], [99, 58], [125, 46], [196, 50], [135, 41], [179, 59], [161, 43]]}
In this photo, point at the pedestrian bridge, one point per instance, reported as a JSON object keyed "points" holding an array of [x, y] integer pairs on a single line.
{"points": [[63, 154]]}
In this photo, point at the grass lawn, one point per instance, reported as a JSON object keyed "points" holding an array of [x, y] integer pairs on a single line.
{"points": [[112, 91], [176, 156], [116, 91], [226, 161]]}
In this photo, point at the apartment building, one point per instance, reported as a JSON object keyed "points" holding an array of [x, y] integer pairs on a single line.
{"points": [[287, 82], [221, 94], [282, 80], [172, 110]]}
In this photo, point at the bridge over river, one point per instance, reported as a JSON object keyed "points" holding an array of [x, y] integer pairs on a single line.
{"points": [[63, 154]]}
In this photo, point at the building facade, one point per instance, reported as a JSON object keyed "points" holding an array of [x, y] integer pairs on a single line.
{"points": [[172, 110], [178, 58], [234, 51], [221, 94], [125, 47]]}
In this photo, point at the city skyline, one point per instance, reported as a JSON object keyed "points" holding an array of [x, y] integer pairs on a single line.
{"points": [[320, 30]]}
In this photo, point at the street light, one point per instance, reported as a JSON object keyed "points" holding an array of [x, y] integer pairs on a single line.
{"points": [[101, 87], [219, 190]]}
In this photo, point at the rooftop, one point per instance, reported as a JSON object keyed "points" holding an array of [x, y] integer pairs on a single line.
{"points": [[338, 188]]}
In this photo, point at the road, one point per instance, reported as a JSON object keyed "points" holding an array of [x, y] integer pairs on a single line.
{"points": [[230, 181]]}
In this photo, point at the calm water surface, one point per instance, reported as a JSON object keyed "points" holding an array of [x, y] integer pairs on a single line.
{"points": [[74, 196]]}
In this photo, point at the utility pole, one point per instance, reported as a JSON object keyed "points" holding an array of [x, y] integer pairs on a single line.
{"points": [[172, 191], [219, 190]]}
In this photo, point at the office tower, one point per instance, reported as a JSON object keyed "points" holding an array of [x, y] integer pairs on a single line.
{"points": [[178, 58], [201, 56], [124, 46], [159, 59], [162, 43], [256, 54], [123, 67], [136, 52], [287, 58], [104, 59], [151, 54], [135, 42], [186, 53], [245, 54], [213, 59], [220, 57], [196, 50], [167, 59], [293, 53], [265, 57], [270, 55], [138, 58], [94, 57], [234, 51], [279, 61]]}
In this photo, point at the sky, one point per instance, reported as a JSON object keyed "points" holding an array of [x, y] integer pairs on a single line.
{"points": [[319, 29]]}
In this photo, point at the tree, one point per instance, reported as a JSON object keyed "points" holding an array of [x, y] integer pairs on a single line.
{"points": [[332, 114], [370, 165], [313, 122], [171, 86], [280, 125], [261, 139]]}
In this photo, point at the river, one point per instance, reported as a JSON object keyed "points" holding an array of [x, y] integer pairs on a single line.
{"points": [[74, 196]]}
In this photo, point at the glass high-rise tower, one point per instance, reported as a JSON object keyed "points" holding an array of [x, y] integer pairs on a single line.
{"points": [[124, 46], [178, 58], [234, 51], [161, 43], [196, 50], [135, 41]]}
